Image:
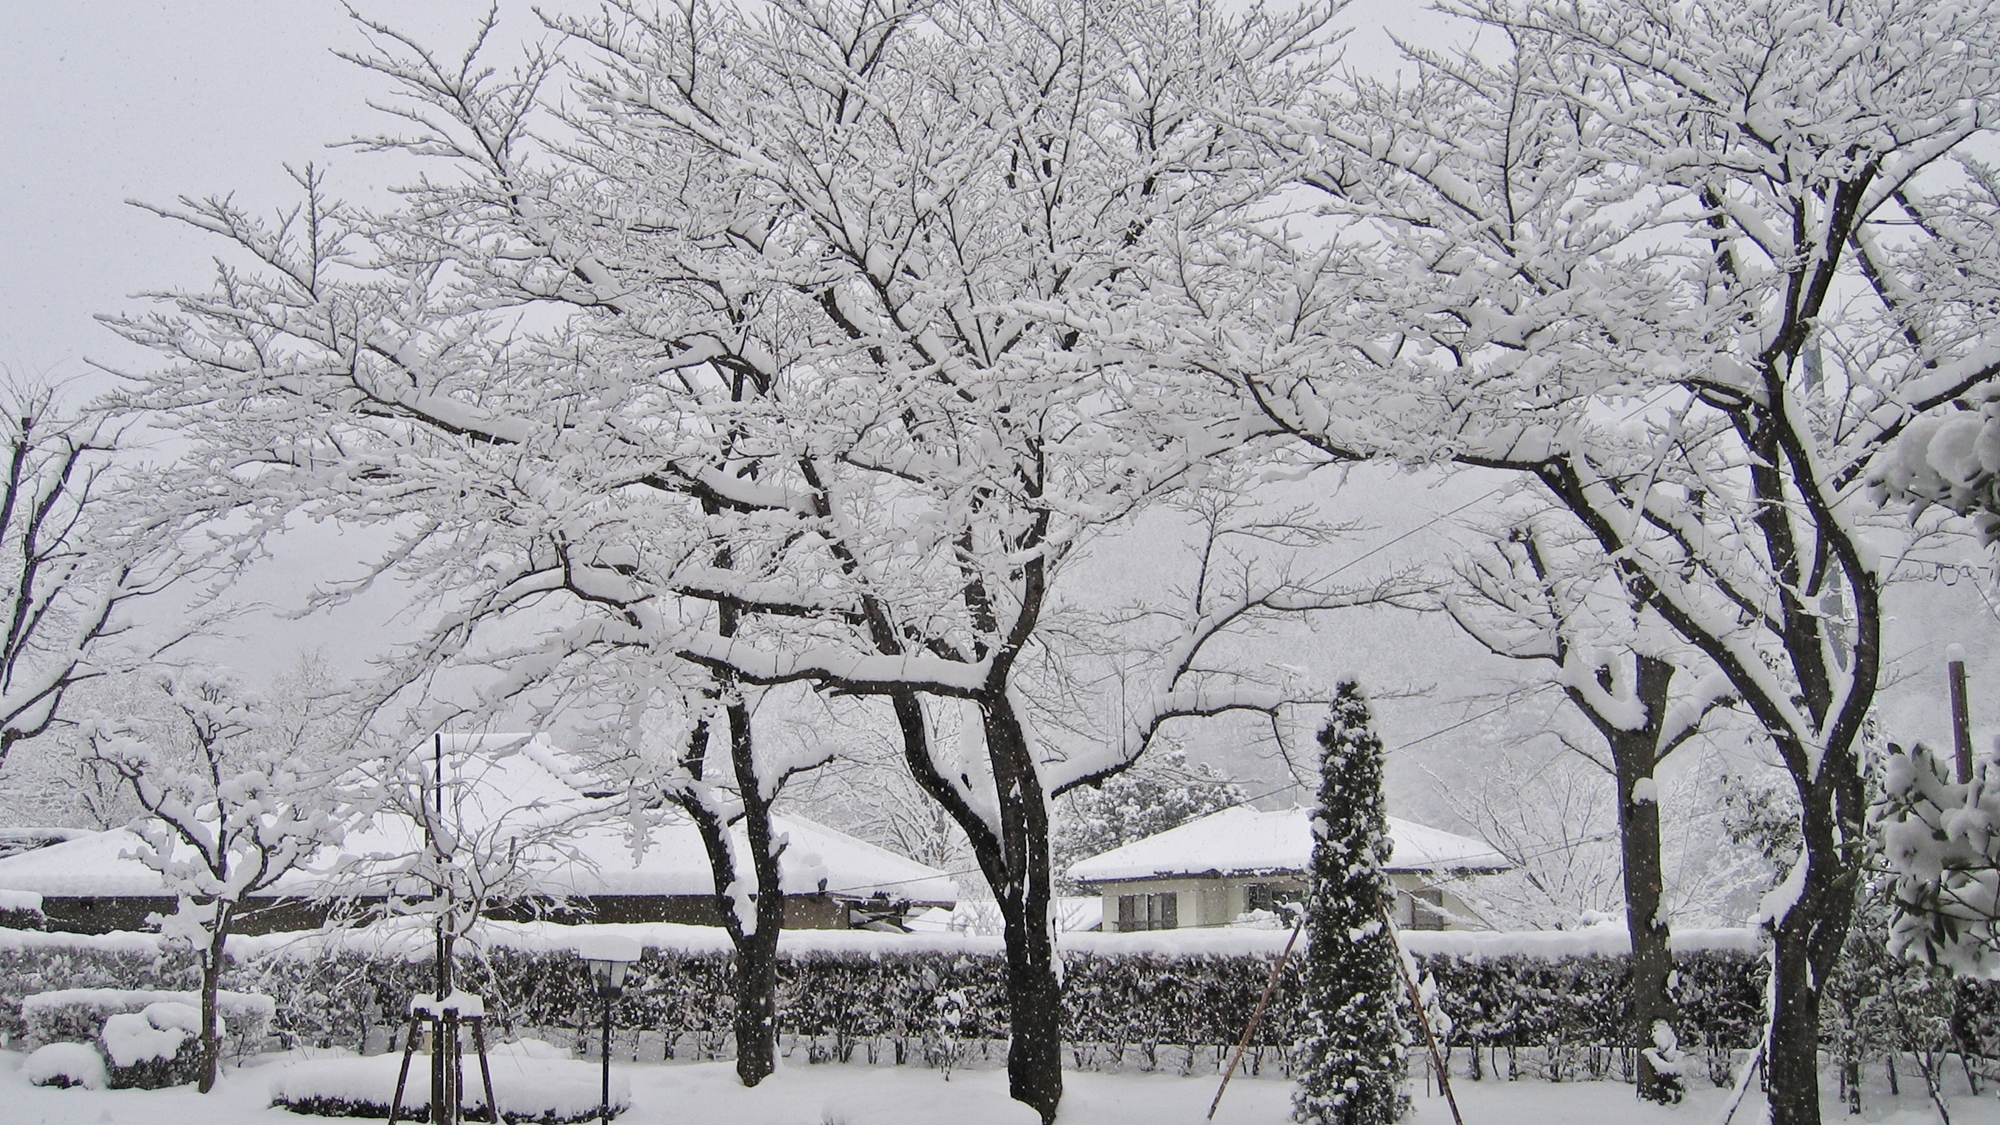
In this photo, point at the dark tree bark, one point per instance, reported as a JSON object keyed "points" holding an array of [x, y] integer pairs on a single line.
{"points": [[1634, 754], [1810, 935], [211, 984], [1015, 862], [756, 983]]}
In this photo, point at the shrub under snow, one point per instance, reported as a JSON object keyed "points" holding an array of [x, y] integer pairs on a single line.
{"points": [[22, 910], [532, 1080], [154, 1048], [77, 1015], [65, 1064]]}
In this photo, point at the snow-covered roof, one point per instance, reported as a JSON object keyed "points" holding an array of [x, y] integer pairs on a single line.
{"points": [[92, 865], [1247, 841], [520, 790]]}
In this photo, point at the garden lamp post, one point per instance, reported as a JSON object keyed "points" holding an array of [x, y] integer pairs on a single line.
{"points": [[609, 956]]}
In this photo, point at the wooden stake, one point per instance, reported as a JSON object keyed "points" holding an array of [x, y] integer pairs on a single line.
{"points": [[1423, 1017], [1257, 1016], [403, 1076], [1961, 721]]}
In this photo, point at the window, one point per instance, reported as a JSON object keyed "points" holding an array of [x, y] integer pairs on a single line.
{"points": [[1148, 912], [1268, 896], [1427, 909]]}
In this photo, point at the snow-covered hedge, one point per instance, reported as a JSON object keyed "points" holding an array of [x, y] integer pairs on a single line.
{"points": [[22, 910], [78, 1015], [532, 1081], [32, 961], [1129, 1001], [1163, 999]]}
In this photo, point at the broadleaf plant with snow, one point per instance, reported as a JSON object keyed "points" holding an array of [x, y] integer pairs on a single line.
{"points": [[1941, 840], [231, 815]]}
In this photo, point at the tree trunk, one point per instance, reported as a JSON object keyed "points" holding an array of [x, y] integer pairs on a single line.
{"points": [[1809, 938], [757, 1005], [1034, 998], [1022, 889], [756, 952], [1015, 861], [211, 1016], [1634, 756], [1652, 960], [756, 985]]}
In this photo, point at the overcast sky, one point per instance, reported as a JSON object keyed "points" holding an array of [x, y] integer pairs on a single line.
{"points": [[108, 101]]}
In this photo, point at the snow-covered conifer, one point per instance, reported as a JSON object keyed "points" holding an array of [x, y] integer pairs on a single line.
{"points": [[1353, 1051]]}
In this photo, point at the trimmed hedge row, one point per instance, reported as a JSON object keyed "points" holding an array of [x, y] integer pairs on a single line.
{"points": [[26, 969], [78, 1015], [1121, 1009]]}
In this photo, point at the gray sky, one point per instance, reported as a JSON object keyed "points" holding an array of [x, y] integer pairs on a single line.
{"points": [[108, 101]]}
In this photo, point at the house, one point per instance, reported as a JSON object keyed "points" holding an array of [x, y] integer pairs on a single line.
{"points": [[1210, 872], [523, 804]]}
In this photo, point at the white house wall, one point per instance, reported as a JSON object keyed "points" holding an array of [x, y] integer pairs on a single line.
{"points": [[1219, 901]]}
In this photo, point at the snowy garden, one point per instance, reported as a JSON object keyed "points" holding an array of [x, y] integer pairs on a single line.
{"points": [[890, 561]]}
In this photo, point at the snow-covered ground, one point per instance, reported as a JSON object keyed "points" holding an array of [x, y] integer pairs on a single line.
{"points": [[858, 1095]]}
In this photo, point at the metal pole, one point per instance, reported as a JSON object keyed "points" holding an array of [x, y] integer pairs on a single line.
{"points": [[1961, 721], [604, 1101]]}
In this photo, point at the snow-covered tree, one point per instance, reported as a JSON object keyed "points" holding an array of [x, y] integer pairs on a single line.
{"points": [[1685, 266], [1543, 594], [231, 815], [442, 833], [1352, 1051], [688, 741], [866, 789], [1163, 791], [1551, 815], [79, 541], [767, 362]]}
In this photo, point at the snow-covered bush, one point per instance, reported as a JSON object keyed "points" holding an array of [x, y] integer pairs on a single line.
{"points": [[531, 1081], [65, 1065], [154, 1048], [77, 1015], [22, 910], [32, 961]]}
